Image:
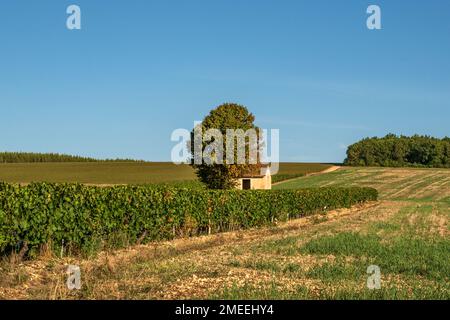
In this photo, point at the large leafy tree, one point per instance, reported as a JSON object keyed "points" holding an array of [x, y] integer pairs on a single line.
{"points": [[399, 151], [224, 175]]}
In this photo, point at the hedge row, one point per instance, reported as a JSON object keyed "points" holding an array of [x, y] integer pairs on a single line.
{"points": [[25, 157], [79, 217]]}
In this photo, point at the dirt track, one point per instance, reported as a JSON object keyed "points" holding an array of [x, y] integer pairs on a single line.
{"points": [[330, 169]]}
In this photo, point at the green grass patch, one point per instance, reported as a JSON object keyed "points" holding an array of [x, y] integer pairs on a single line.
{"points": [[384, 226], [248, 291], [338, 270], [402, 256]]}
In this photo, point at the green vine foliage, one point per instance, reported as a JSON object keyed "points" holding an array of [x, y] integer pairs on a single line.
{"points": [[79, 218]]}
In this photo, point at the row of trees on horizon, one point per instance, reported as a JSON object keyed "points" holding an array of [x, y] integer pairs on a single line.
{"points": [[400, 151], [25, 157], [388, 151]]}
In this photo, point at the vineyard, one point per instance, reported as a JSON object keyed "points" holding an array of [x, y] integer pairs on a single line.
{"points": [[75, 218]]}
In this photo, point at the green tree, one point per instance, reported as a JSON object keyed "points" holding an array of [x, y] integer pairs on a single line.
{"points": [[391, 150], [224, 175]]}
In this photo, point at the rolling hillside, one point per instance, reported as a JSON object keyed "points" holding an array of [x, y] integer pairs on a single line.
{"points": [[406, 234], [120, 172]]}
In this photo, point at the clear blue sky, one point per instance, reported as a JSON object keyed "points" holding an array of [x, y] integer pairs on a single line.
{"points": [[139, 69]]}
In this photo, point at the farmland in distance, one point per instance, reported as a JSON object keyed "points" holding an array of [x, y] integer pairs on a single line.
{"points": [[107, 173]]}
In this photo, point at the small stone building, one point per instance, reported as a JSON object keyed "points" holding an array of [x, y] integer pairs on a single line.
{"points": [[259, 180]]}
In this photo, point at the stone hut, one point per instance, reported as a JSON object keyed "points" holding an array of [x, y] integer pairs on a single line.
{"points": [[261, 179]]}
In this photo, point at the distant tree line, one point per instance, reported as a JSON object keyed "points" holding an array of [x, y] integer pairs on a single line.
{"points": [[21, 157], [400, 151]]}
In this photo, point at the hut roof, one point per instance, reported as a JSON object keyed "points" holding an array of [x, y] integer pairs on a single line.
{"points": [[255, 172]]}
